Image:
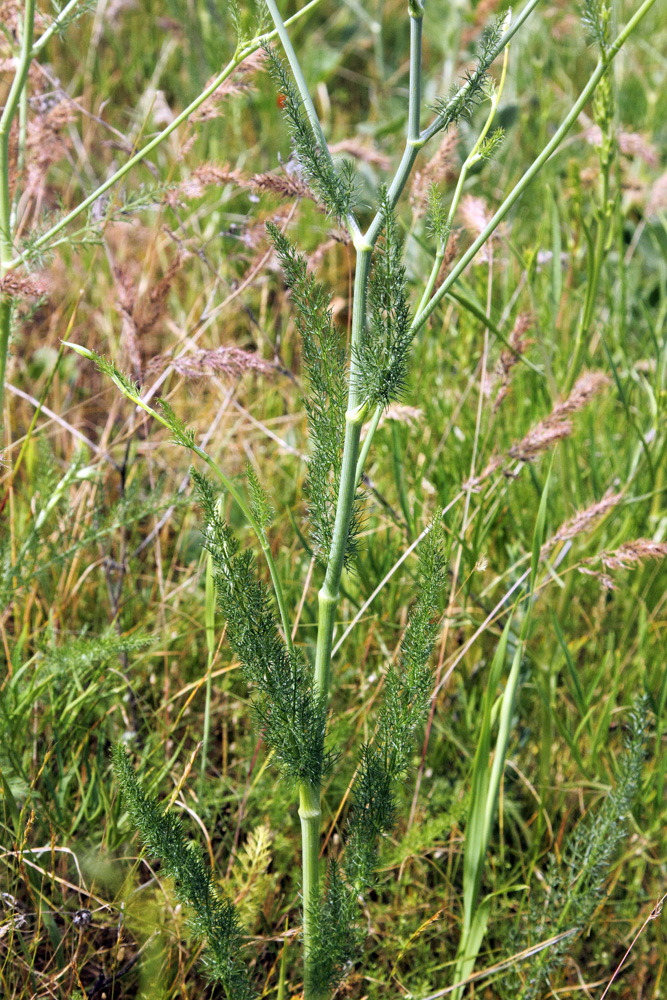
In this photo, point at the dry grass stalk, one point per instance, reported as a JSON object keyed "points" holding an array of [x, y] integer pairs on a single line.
{"points": [[539, 439], [240, 82], [633, 554], [440, 169], [141, 313], [23, 285], [545, 435], [284, 186], [585, 388], [510, 356], [451, 253], [228, 362], [45, 144], [11, 17], [203, 177]]}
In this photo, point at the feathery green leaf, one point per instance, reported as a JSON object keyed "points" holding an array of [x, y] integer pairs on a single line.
{"points": [[335, 188], [383, 355], [211, 918], [326, 400]]}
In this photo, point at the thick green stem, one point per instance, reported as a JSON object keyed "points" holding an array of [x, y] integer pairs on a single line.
{"points": [[368, 440], [356, 411], [351, 469], [310, 815], [414, 142]]}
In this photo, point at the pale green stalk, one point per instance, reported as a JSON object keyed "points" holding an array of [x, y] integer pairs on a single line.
{"points": [[368, 440], [351, 468], [6, 249], [417, 141], [55, 26]]}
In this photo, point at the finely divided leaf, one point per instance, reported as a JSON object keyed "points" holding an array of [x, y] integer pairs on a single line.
{"points": [[326, 400], [212, 918], [461, 103], [334, 187], [291, 717], [338, 934], [383, 356]]}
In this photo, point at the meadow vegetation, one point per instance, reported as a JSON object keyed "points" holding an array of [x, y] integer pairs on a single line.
{"points": [[458, 669]]}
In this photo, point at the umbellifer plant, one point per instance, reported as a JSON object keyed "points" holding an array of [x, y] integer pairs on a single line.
{"points": [[348, 389]]}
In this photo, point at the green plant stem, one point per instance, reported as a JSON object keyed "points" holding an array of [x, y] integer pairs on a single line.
{"points": [[310, 814], [356, 412], [55, 26], [6, 249], [536, 166], [351, 470], [417, 140], [368, 440]]}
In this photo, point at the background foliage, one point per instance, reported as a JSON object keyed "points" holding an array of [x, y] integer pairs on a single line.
{"points": [[103, 586]]}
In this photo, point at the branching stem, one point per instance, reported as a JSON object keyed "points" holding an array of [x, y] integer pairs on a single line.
{"points": [[55, 26]]}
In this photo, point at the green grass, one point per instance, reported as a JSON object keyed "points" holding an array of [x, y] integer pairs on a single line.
{"points": [[105, 633]]}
